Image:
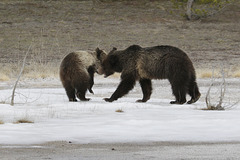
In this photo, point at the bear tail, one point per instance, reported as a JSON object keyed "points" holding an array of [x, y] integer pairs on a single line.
{"points": [[193, 90]]}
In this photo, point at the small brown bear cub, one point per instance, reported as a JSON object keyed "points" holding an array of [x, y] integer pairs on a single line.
{"points": [[77, 72], [158, 62]]}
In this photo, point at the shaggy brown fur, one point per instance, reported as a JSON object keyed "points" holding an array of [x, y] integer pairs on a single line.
{"points": [[144, 64], [77, 72]]}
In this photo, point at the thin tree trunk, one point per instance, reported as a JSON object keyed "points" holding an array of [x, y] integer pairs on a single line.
{"points": [[189, 9]]}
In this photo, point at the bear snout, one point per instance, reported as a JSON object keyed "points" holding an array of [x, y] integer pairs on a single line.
{"points": [[100, 71]]}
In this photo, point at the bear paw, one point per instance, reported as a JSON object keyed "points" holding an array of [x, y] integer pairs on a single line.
{"points": [[85, 99], [108, 99], [176, 102], [193, 100], [141, 101], [72, 100]]}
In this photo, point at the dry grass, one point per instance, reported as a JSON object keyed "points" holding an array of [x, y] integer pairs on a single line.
{"points": [[119, 110], [1, 122], [31, 71], [2, 102], [214, 108], [23, 120], [236, 74], [207, 73], [36, 70], [4, 77], [5, 72]]}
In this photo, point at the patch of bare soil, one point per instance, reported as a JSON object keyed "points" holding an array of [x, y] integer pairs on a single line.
{"points": [[122, 151], [55, 28]]}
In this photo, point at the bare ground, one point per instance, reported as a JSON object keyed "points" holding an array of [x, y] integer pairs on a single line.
{"points": [[55, 28], [122, 151]]}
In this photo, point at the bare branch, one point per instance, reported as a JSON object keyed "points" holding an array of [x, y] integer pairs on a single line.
{"points": [[232, 105], [15, 86], [223, 89], [207, 99]]}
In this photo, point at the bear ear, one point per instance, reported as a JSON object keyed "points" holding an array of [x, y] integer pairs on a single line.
{"points": [[98, 51], [113, 60]]}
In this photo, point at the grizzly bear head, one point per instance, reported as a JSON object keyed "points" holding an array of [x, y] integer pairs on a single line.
{"points": [[110, 64]]}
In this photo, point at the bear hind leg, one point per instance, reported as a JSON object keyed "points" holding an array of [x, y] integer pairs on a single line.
{"points": [[70, 91], [81, 92], [146, 86], [180, 94], [193, 91], [81, 96], [81, 89]]}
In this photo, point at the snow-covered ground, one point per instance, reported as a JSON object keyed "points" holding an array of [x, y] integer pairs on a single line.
{"points": [[45, 103]]}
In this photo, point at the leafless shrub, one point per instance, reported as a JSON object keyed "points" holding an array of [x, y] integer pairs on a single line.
{"points": [[219, 105]]}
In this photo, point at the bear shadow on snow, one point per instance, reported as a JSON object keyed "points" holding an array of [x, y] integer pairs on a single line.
{"points": [[144, 64], [77, 72]]}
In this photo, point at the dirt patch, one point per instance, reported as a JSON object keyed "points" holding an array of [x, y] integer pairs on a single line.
{"points": [[55, 28], [122, 151]]}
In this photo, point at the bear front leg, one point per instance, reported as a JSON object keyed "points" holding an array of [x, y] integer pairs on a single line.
{"points": [[123, 88], [91, 71], [146, 86]]}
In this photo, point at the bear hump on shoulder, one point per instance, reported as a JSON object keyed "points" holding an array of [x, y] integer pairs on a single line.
{"points": [[134, 47], [112, 51]]}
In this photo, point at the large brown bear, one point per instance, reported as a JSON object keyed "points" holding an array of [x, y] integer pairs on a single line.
{"points": [[77, 72], [144, 64]]}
